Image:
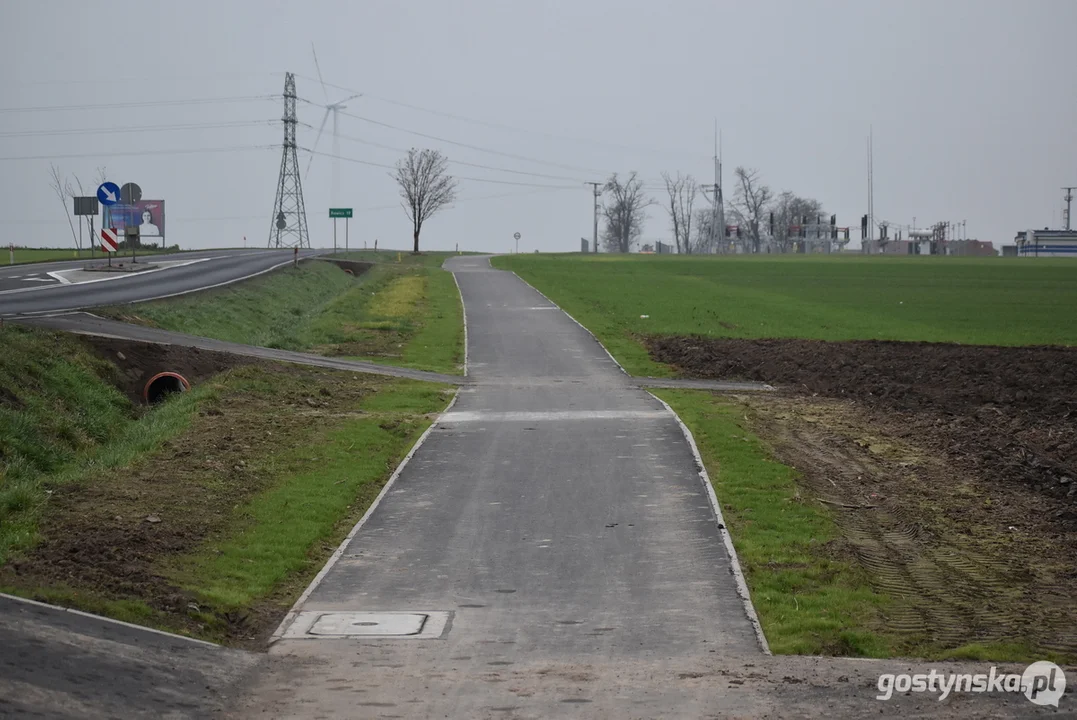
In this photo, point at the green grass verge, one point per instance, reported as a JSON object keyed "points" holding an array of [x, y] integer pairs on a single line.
{"points": [[255, 476], [807, 601], [407, 315], [320, 486], [61, 421], [269, 310], [989, 301]]}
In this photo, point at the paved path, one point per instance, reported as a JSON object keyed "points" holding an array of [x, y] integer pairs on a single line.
{"points": [[564, 529], [60, 664]]}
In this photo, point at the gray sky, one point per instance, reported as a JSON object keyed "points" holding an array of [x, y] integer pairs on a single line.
{"points": [[972, 104]]}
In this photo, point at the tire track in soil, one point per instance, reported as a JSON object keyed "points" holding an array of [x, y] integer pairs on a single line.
{"points": [[948, 591]]}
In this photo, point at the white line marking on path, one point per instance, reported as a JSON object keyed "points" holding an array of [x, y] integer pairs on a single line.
{"points": [[556, 415]]}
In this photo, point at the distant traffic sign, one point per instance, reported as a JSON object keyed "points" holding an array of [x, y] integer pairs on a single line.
{"points": [[130, 193], [109, 239], [108, 193], [340, 212], [87, 205], [516, 236]]}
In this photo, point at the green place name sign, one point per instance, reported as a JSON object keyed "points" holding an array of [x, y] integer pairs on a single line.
{"points": [[340, 212]]}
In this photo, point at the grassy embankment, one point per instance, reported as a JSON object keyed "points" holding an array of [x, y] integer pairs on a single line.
{"points": [[809, 600], [406, 314], [208, 514]]}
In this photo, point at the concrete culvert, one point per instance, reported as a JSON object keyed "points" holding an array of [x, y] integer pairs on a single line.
{"points": [[162, 384]]}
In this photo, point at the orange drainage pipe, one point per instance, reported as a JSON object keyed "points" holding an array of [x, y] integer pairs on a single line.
{"points": [[163, 383]]}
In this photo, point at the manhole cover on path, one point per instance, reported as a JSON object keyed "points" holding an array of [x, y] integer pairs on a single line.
{"points": [[316, 624]]}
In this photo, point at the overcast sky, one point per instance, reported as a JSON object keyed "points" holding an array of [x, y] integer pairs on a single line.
{"points": [[973, 105]]}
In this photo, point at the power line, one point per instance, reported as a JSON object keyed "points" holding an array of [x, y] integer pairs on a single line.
{"points": [[139, 153], [499, 126], [145, 103], [141, 128], [481, 197], [458, 177], [514, 156], [457, 162]]}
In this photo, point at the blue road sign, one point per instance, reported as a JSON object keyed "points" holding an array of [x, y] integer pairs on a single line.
{"points": [[108, 193]]}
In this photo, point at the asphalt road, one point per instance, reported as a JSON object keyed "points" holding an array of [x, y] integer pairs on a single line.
{"points": [[60, 664], [179, 273], [557, 525]]}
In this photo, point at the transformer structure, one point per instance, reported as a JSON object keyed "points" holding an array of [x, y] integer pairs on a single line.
{"points": [[289, 224]]}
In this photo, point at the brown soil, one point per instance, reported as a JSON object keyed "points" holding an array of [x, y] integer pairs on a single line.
{"points": [[350, 266], [113, 538], [137, 362], [951, 471]]}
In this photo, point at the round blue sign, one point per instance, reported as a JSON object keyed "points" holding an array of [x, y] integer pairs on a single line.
{"points": [[108, 193]]}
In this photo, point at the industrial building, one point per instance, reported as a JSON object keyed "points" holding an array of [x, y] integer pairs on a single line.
{"points": [[1046, 243]]}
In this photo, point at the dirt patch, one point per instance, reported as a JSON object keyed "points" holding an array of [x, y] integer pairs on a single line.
{"points": [[350, 266], [114, 535], [1007, 412], [137, 362], [949, 469]]}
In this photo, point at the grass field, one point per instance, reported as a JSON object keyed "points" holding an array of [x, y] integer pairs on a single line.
{"points": [[206, 514], [985, 301], [36, 255], [398, 314]]}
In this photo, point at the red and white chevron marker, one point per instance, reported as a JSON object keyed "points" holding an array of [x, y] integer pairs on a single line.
{"points": [[109, 243]]}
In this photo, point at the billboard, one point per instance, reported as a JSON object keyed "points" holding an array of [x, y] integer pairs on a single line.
{"points": [[149, 215]]}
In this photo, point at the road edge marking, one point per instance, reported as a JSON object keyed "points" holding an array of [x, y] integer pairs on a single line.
{"points": [[293, 613], [60, 311], [463, 309], [102, 618], [593, 336], [723, 530]]}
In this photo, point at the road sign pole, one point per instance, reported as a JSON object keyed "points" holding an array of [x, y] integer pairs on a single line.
{"points": [[11, 253], [334, 236], [346, 234], [92, 236]]}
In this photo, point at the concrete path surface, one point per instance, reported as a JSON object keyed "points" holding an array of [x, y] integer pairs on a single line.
{"points": [[549, 526]]}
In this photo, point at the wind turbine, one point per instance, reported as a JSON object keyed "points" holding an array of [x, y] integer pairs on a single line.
{"points": [[335, 109]]}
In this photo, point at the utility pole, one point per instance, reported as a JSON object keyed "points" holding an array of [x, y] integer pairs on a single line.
{"points": [[717, 229], [871, 186], [1069, 199], [598, 193]]}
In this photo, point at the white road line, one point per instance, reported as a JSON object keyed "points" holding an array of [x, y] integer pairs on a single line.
{"points": [[593, 336], [463, 308], [101, 618], [556, 415], [119, 276], [58, 275]]}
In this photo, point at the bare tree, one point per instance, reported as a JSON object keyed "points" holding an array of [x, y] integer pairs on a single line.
{"points": [[792, 211], [682, 195], [425, 186], [625, 212], [751, 202], [64, 192]]}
